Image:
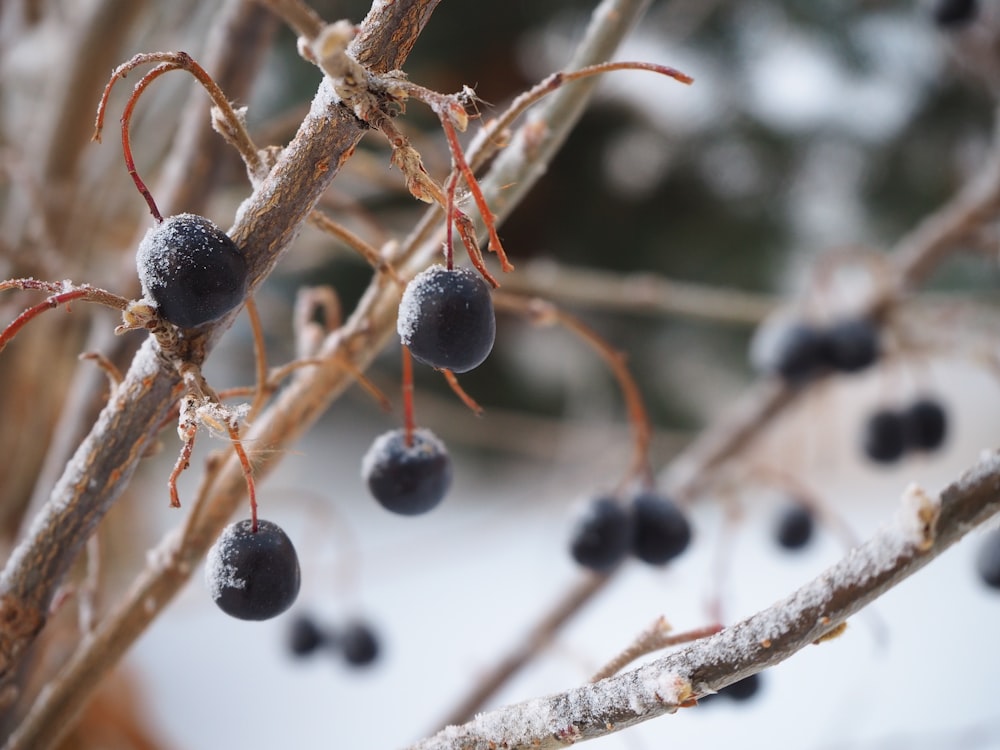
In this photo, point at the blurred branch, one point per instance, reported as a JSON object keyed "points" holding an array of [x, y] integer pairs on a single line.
{"points": [[102, 466], [643, 293], [923, 528], [319, 145]]}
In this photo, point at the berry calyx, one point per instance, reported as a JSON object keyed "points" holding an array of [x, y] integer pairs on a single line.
{"points": [[408, 477], [358, 644], [925, 424], [446, 318], [795, 527], [253, 575], [602, 535], [851, 345], [660, 531], [884, 437], [988, 560], [192, 270], [305, 636]]}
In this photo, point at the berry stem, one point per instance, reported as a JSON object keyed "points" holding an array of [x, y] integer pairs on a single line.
{"points": [[181, 465], [126, 118], [234, 437], [542, 312], [466, 399], [409, 422], [261, 389], [86, 293]]}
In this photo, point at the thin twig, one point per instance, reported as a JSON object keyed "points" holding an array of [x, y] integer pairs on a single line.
{"points": [[923, 528]]}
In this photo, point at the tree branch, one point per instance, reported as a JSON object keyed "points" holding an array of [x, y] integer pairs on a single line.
{"points": [[923, 528], [266, 224]]}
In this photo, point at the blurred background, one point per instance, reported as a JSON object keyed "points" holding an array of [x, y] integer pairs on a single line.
{"points": [[815, 137]]}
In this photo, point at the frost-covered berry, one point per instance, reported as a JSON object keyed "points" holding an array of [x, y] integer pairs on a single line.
{"points": [[743, 690], [253, 575], [926, 424], [788, 348], [660, 531], [358, 644], [446, 318], [795, 527], [305, 636], [851, 345], [950, 13], [602, 535], [191, 269], [884, 437], [407, 479], [988, 559]]}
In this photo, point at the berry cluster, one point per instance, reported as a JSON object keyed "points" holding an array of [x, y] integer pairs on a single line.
{"points": [[651, 527], [889, 433], [797, 351], [355, 641], [252, 570]]}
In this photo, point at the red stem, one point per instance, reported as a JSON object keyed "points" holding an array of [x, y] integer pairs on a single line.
{"points": [[409, 422], [234, 437]]}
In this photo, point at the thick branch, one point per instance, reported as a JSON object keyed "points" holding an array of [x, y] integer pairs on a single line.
{"points": [[265, 226], [923, 528]]}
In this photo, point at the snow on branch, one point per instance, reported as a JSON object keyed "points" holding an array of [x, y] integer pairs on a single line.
{"points": [[922, 528]]}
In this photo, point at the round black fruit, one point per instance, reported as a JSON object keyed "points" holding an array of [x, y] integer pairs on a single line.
{"points": [[988, 559], [743, 690], [660, 531], [305, 636], [884, 438], [791, 349], [926, 424], [407, 479], [795, 527], [192, 270], [358, 644], [253, 575], [446, 318], [952, 13], [602, 535], [851, 345]]}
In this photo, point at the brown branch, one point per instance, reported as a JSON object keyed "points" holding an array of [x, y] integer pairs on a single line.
{"points": [[923, 528], [265, 226]]}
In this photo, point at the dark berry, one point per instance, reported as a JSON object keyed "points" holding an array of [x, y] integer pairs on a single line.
{"points": [[305, 636], [926, 424], [955, 12], [988, 559], [253, 576], [660, 531], [602, 535], [358, 644], [791, 349], [192, 270], [446, 318], [407, 479], [851, 345], [795, 527], [884, 438], [744, 689]]}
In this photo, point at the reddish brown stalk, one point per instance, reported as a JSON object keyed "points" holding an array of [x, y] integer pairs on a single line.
{"points": [[181, 465], [109, 368], [542, 312], [462, 166], [466, 399], [234, 437], [409, 422], [126, 118], [262, 388], [85, 293]]}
